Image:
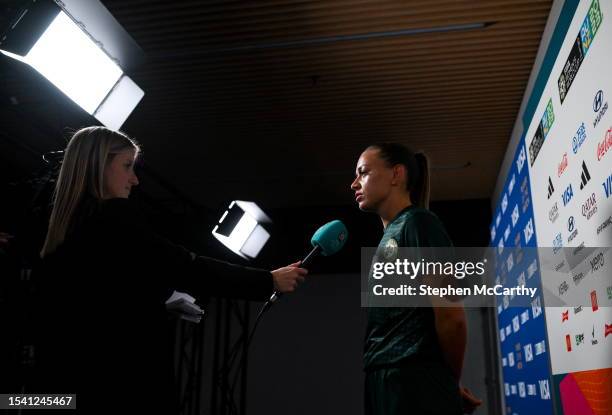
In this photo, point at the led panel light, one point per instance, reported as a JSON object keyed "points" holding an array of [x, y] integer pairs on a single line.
{"points": [[240, 229], [120, 103], [69, 58]]}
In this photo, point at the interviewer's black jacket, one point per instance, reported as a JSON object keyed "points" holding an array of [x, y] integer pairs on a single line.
{"points": [[102, 329]]}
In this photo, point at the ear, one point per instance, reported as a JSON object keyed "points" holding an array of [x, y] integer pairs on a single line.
{"points": [[399, 174]]}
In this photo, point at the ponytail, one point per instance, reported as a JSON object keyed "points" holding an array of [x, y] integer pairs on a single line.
{"points": [[420, 189]]}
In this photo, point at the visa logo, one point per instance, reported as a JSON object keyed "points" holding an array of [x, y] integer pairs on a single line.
{"points": [[567, 195], [607, 185]]}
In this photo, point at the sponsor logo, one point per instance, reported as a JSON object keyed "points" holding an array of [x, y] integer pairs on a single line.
{"points": [[589, 207], [498, 219], [521, 280], [564, 316], [585, 176], [593, 339], [522, 390], [536, 308], [597, 262], [502, 335], [511, 184], [517, 240], [577, 278], [533, 267], [515, 215], [492, 233], [540, 348], [563, 287], [594, 304], [571, 228], [511, 359], [578, 249], [507, 388], [607, 185], [510, 261], [557, 243], [600, 107], [525, 194], [504, 362], [504, 203], [604, 146], [515, 324], [581, 45], [579, 138], [551, 188], [553, 213], [577, 309], [562, 166], [528, 231], [579, 339], [506, 233], [608, 330], [560, 265], [598, 101], [546, 122], [604, 225], [524, 317], [531, 389], [567, 195], [544, 389], [520, 161], [609, 290]]}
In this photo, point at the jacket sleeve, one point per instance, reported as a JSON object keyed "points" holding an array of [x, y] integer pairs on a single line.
{"points": [[180, 269]]}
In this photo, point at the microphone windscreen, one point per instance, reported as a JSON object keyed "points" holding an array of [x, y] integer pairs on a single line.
{"points": [[330, 237]]}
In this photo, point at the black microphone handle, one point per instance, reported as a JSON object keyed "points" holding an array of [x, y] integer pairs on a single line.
{"points": [[303, 263]]}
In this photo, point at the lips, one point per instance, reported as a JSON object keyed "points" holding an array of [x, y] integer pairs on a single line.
{"points": [[358, 197]]}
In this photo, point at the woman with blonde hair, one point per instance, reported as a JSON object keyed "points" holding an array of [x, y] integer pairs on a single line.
{"points": [[105, 279]]}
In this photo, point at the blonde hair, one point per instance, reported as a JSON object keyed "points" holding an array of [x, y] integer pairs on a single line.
{"points": [[81, 174]]}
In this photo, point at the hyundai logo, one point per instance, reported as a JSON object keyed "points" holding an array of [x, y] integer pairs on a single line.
{"points": [[570, 224], [598, 101]]}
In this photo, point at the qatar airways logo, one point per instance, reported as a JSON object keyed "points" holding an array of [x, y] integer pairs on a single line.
{"points": [[562, 166], [589, 207], [604, 146]]}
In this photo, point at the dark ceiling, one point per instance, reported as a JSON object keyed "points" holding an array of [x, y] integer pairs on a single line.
{"points": [[273, 101]]}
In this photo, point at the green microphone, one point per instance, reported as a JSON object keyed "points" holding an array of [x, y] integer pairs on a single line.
{"points": [[327, 240]]}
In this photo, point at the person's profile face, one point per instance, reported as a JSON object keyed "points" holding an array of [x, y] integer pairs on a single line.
{"points": [[373, 178], [119, 176]]}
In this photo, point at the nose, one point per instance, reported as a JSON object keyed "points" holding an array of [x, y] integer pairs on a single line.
{"points": [[134, 180], [355, 185]]}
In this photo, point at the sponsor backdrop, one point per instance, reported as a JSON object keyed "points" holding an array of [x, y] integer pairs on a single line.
{"points": [[568, 145], [522, 330]]}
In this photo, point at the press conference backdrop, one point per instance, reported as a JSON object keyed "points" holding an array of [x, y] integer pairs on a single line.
{"points": [[558, 193]]}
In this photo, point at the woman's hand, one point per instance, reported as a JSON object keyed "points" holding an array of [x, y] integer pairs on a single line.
{"points": [[286, 278]]}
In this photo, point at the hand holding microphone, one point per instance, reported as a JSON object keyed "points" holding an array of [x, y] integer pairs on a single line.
{"points": [[327, 240], [287, 278]]}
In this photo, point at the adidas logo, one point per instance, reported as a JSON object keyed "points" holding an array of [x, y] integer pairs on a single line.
{"points": [[551, 188], [585, 176]]}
